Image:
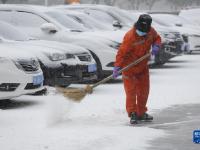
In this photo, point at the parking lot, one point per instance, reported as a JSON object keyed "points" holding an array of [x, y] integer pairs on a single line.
{"points": [[100, 120], [43, 49]]}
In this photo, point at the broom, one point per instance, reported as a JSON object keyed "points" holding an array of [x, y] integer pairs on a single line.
{"points": [[77, 94]]}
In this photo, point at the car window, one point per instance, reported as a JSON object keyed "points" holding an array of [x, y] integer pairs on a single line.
{"points": [[103, 16], [87, 21], [26, 19], [65, 21], [9, 32]]}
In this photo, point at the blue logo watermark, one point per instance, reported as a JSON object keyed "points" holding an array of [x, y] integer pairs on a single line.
{"points": [[196, 136]]}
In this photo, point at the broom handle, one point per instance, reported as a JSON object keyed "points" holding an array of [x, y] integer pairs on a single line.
{"points": [[123, 69]]}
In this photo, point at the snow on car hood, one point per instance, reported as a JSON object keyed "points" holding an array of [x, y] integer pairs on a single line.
{"points": [[42, 53], [68, 48], [11, 52], [106, 36], [21, 46], [86, 39]]}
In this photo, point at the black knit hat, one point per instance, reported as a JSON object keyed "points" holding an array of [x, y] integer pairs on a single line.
{"points": [[144, 23]]}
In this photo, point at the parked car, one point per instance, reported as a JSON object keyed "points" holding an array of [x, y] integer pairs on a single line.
{"points": [[36, 21], [61, 63], [190, 32], [20, 73], [164, 55]]}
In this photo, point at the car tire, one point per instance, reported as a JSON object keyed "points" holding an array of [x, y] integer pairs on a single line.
{"points": [[99, 66]]}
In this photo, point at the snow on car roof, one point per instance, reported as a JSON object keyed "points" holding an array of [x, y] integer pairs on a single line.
{"points": [[23, 7], [191, 14], [190, 11]]}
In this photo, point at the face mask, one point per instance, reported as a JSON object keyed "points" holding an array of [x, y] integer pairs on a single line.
{"points": [[140, 33]]}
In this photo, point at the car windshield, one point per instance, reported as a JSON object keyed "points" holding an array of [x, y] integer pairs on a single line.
{"points": [[87, 21], [119, 15], [65, 21], [9, 32], [102, 16]]}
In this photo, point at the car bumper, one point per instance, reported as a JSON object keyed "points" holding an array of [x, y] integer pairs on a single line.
{"points": [[67, 74], [15, 89]]}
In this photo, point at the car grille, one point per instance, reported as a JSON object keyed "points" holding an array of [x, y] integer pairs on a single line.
{"points": [[84, 57], [29, 66]]}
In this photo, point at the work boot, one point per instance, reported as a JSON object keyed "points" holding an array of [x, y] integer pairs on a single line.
{"points": [[134, 118], [145, 117]]}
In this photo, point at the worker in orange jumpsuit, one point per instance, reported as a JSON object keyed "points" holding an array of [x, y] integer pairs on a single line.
{"points": [[136, 43]]}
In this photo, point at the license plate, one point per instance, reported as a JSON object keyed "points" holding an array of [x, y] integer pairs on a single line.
{"points": [[92, 68], [38, 79]]}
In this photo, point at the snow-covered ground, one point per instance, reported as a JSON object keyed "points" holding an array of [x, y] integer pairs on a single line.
{"points": [[100, 121]]}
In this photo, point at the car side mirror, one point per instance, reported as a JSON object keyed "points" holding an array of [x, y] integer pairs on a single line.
{"points": [[117, 24], [49, 28]]}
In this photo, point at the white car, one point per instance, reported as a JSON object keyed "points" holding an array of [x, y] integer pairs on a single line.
{"points": [[76, 12], [37, 22], [20, 73], [61, 63], [180, 24]]}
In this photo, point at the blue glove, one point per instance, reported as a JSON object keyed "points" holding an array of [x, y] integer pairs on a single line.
{"points": [[155, 49], [116, 72]]}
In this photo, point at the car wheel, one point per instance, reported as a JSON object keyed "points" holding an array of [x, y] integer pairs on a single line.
{"points": [[99, 66]]}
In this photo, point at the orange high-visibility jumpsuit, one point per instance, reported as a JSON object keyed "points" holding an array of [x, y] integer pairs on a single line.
{"points": [[136, 79]]}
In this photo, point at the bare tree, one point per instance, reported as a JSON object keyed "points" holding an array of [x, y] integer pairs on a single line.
{"points": [[177, 4], [136, 4], [95, 1], [150, 3], [110, 2]]}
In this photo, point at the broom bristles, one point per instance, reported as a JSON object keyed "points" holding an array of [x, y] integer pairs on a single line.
{"points": [[75, 94], [89, 89]]}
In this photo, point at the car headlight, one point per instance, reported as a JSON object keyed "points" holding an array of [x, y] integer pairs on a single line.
{"points": [[18, 65], [28, 65], [57, 57]]}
